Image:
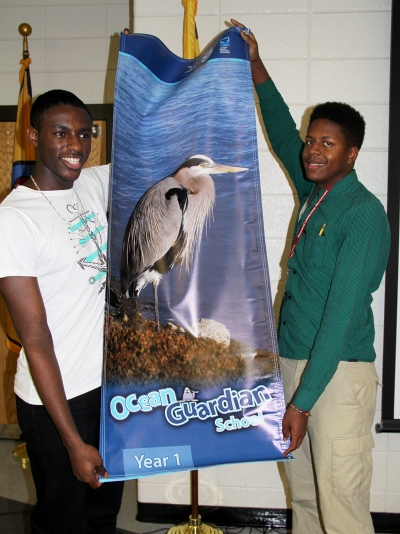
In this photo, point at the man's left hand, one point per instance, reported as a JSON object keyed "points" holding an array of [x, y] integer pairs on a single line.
{"points": [[294, 426]]}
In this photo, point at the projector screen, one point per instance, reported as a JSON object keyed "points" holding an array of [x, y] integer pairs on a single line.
{"points": [[391, 351]]}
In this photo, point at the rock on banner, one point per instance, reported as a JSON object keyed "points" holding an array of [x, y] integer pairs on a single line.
{"points": [[202, 387]]}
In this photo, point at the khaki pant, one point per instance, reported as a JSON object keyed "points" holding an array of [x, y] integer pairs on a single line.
{"points": [[330, 479]]}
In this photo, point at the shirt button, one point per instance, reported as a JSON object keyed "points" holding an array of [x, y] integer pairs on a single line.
{"points": [[284, 323], [289, 297], [294, 272]]}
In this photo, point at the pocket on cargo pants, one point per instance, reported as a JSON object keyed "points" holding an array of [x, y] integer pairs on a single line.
{"points": [[352, 464]]}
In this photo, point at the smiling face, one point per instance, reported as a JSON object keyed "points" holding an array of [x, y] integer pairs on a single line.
{"points": [[63, 142], [327, 157]]}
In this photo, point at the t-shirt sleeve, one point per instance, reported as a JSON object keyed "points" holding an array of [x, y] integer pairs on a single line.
{"points": [[101, 175], [19, 243]]}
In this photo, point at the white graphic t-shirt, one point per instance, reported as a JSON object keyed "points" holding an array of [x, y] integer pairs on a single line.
{"points": [[68, 257]]}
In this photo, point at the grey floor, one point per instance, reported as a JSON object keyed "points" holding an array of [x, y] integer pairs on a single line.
{"points": [[17, 495]]}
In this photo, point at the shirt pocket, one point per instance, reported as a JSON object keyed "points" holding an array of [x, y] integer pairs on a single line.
{"points": [[315, 245]]}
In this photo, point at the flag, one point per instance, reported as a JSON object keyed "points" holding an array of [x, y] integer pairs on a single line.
{"points": [[23, 162], [191, 47], [24, 152], [12, 340]]}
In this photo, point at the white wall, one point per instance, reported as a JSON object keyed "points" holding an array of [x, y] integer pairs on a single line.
{"points": [[73, 46], [316, 51]]}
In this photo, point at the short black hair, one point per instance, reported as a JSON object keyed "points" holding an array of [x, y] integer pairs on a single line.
{"points": [[349, 119], [50, 99]]}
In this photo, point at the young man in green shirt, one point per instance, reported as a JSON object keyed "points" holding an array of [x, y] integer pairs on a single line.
{"points": [[326, 329]]}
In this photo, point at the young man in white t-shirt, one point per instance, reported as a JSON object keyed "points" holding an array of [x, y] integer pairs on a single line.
{"points": [[53, 238]]}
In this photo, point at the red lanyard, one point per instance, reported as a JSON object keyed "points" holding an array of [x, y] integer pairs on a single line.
{"points": [[303, 226]]}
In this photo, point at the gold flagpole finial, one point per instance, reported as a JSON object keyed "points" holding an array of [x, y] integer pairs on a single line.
{"points": [[25, 30]]}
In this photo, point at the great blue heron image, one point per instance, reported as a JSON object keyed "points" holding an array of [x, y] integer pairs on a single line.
{"points": [[167, 224]]}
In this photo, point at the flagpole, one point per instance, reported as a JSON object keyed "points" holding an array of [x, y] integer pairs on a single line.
{"points": [[19, 453], [191, 50], [24, 153], [195, 526]]}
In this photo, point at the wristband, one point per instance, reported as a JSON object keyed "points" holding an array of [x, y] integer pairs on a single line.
{"points": [[307, 414]]}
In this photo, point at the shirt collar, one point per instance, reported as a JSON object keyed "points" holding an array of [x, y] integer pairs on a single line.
{"points": [[341, 186]]}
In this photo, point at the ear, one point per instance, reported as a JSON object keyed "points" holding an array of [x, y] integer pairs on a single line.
{"points": [[33, 136], [352, 155]]}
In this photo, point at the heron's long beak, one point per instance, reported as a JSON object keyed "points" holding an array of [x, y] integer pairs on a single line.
{"points": [[219, 168]]}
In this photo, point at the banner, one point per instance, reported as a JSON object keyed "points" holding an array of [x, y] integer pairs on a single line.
{"points": [[191, 375]]}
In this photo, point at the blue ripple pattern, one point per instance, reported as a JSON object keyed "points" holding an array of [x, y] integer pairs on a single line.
{"points": [[157, 126]]}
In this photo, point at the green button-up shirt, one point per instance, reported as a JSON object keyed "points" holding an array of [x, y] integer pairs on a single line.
{"points": [[327, 316]]}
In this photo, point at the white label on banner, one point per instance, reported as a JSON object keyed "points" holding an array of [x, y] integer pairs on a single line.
{"points": [[141, 462]]}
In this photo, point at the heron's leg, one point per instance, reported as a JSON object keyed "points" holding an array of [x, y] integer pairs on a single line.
{"points": [[156, 312]]}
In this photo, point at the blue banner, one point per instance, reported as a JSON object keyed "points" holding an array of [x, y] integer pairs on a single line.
{"points": [[191, 375]]}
